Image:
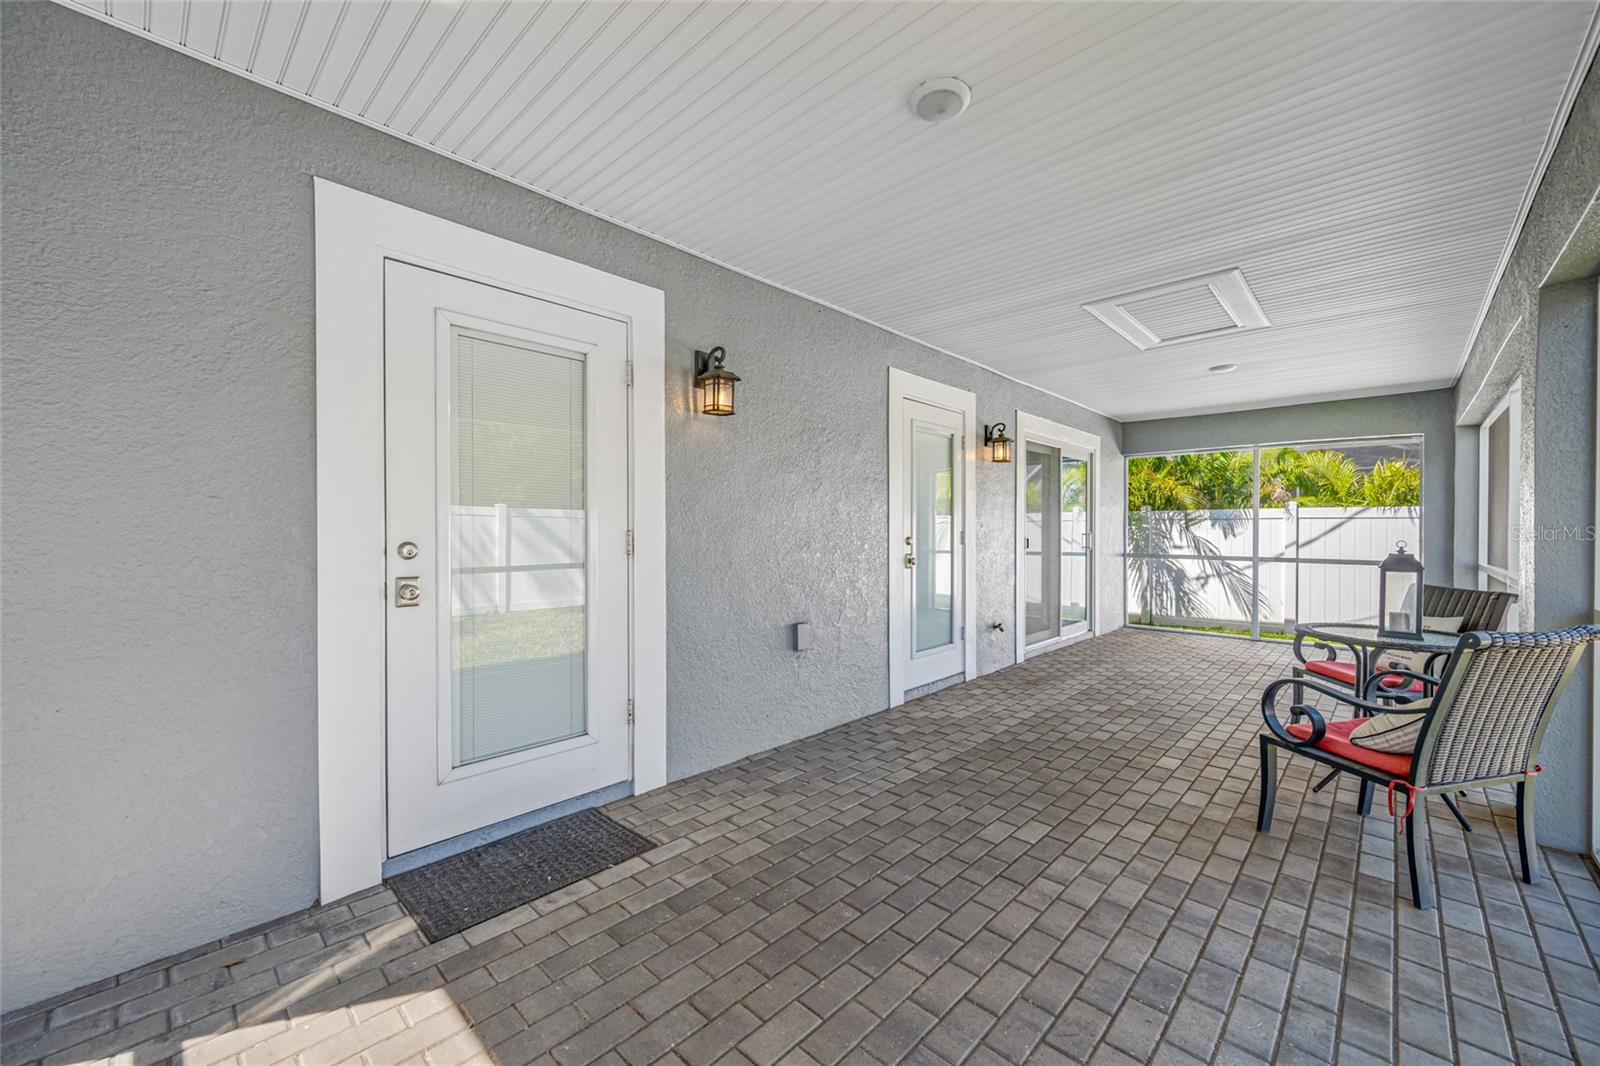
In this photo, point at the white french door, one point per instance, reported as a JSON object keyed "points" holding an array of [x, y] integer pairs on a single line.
{"points": [[506, 486], [931, 529]]}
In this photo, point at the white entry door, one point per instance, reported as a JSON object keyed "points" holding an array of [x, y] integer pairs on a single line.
{"points": [[931, 524], [506, 446]]}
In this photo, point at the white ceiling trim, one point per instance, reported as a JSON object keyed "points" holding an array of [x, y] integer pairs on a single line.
{"points": [[139, 31], [1356, 393]]}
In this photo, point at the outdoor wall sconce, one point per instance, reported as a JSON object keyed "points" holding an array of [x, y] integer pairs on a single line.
{"points": [[999, 445], [714, 381]]}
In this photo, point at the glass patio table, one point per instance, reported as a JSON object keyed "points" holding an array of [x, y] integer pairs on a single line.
{"points": [[1365, 644]]}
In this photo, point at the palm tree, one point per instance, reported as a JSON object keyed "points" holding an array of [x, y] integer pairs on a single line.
{"points": [[1392, 483], [1170, 502]]}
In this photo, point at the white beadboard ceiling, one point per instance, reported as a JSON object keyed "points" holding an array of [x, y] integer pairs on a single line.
{"points": [[1364, 165]]}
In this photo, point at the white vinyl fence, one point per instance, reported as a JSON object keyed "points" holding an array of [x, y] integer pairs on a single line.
{"points": [[1074, 569], [1317, 564], [516, 558]]}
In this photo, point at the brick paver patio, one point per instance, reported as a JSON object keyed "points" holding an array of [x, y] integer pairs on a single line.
{"points": [[1055, 863]]}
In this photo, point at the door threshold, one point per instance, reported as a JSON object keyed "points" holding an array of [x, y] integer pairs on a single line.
{"points": [[455, 845], [1053, 645]]}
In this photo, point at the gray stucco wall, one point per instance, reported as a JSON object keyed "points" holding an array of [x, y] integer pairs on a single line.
{"points": [[1506, 346], [1427, 413], [1546, 337], [1564, 515], [159, 775]]}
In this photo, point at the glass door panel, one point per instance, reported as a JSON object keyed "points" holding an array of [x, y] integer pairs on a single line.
{"points": [[518, 533], [1041, 539], [933, 455], [1075, 539]]}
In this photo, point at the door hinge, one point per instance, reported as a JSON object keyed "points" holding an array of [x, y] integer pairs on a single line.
{"points": [[630, 712], [628, 542], [630, 373], [963, 538]]}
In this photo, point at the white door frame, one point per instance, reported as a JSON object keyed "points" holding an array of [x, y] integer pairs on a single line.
{"points": [[355, 233], [1594, 686], [1044, 431], [1510, 405], [905, 386]]}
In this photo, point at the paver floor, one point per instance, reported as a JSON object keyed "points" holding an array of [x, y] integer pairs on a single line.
{"points": [[1055, 863]]}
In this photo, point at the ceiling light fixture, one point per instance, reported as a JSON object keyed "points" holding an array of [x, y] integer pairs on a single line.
{"points": [[1223, 368], [940, 99]]}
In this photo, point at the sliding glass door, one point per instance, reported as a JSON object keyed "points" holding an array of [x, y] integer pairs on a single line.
{"points": [[1056, 541]]}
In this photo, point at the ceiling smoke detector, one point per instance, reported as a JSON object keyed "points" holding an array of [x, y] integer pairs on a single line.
{"points": [[940, 99]]}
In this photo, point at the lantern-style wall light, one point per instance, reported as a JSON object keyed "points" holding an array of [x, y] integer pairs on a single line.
{"points": [[999, 445], [714, 381], [1400, 595]]}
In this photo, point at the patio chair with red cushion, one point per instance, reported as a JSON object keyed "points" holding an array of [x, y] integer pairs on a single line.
{"points": [[1444, 609], [1482, 727]]}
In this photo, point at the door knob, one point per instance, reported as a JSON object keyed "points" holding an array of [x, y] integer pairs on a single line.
{"points": [[407, 592], [911, 560]]}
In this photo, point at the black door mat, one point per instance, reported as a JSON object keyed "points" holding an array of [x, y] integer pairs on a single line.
{"points": [[453, 894]]}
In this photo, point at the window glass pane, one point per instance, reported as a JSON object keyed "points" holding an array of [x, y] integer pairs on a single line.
{"points": [[1074, 540], [1499, 475], [517, 547], [1041, 538], [933, 590], [1353, 500], [1305, 591], [1189, 540], [1191, 594]]}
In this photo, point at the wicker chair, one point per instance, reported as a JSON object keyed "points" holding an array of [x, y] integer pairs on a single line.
{"points": [[1483, 727]]}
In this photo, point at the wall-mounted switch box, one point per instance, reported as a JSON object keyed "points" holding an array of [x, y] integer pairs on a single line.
{"points": [[802, 636]]}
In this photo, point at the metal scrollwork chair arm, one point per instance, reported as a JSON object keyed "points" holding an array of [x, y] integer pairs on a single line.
{"points": [[1330, 653], [1319, 725]]}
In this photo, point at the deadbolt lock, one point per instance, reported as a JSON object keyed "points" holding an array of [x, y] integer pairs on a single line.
{"points": [[406, 550], [407, 591]]}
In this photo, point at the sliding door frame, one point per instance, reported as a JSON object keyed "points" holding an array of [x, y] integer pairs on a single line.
{"points": [[1043, 431]]}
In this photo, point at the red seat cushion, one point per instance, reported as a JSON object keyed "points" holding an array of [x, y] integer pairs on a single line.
{"points": [[1336, 741], [1345, 673], [1337, 669]]}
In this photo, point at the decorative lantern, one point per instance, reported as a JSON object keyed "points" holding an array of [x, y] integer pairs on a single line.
{"points": [[714, 381], [1400, 595], [999, 444]]}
